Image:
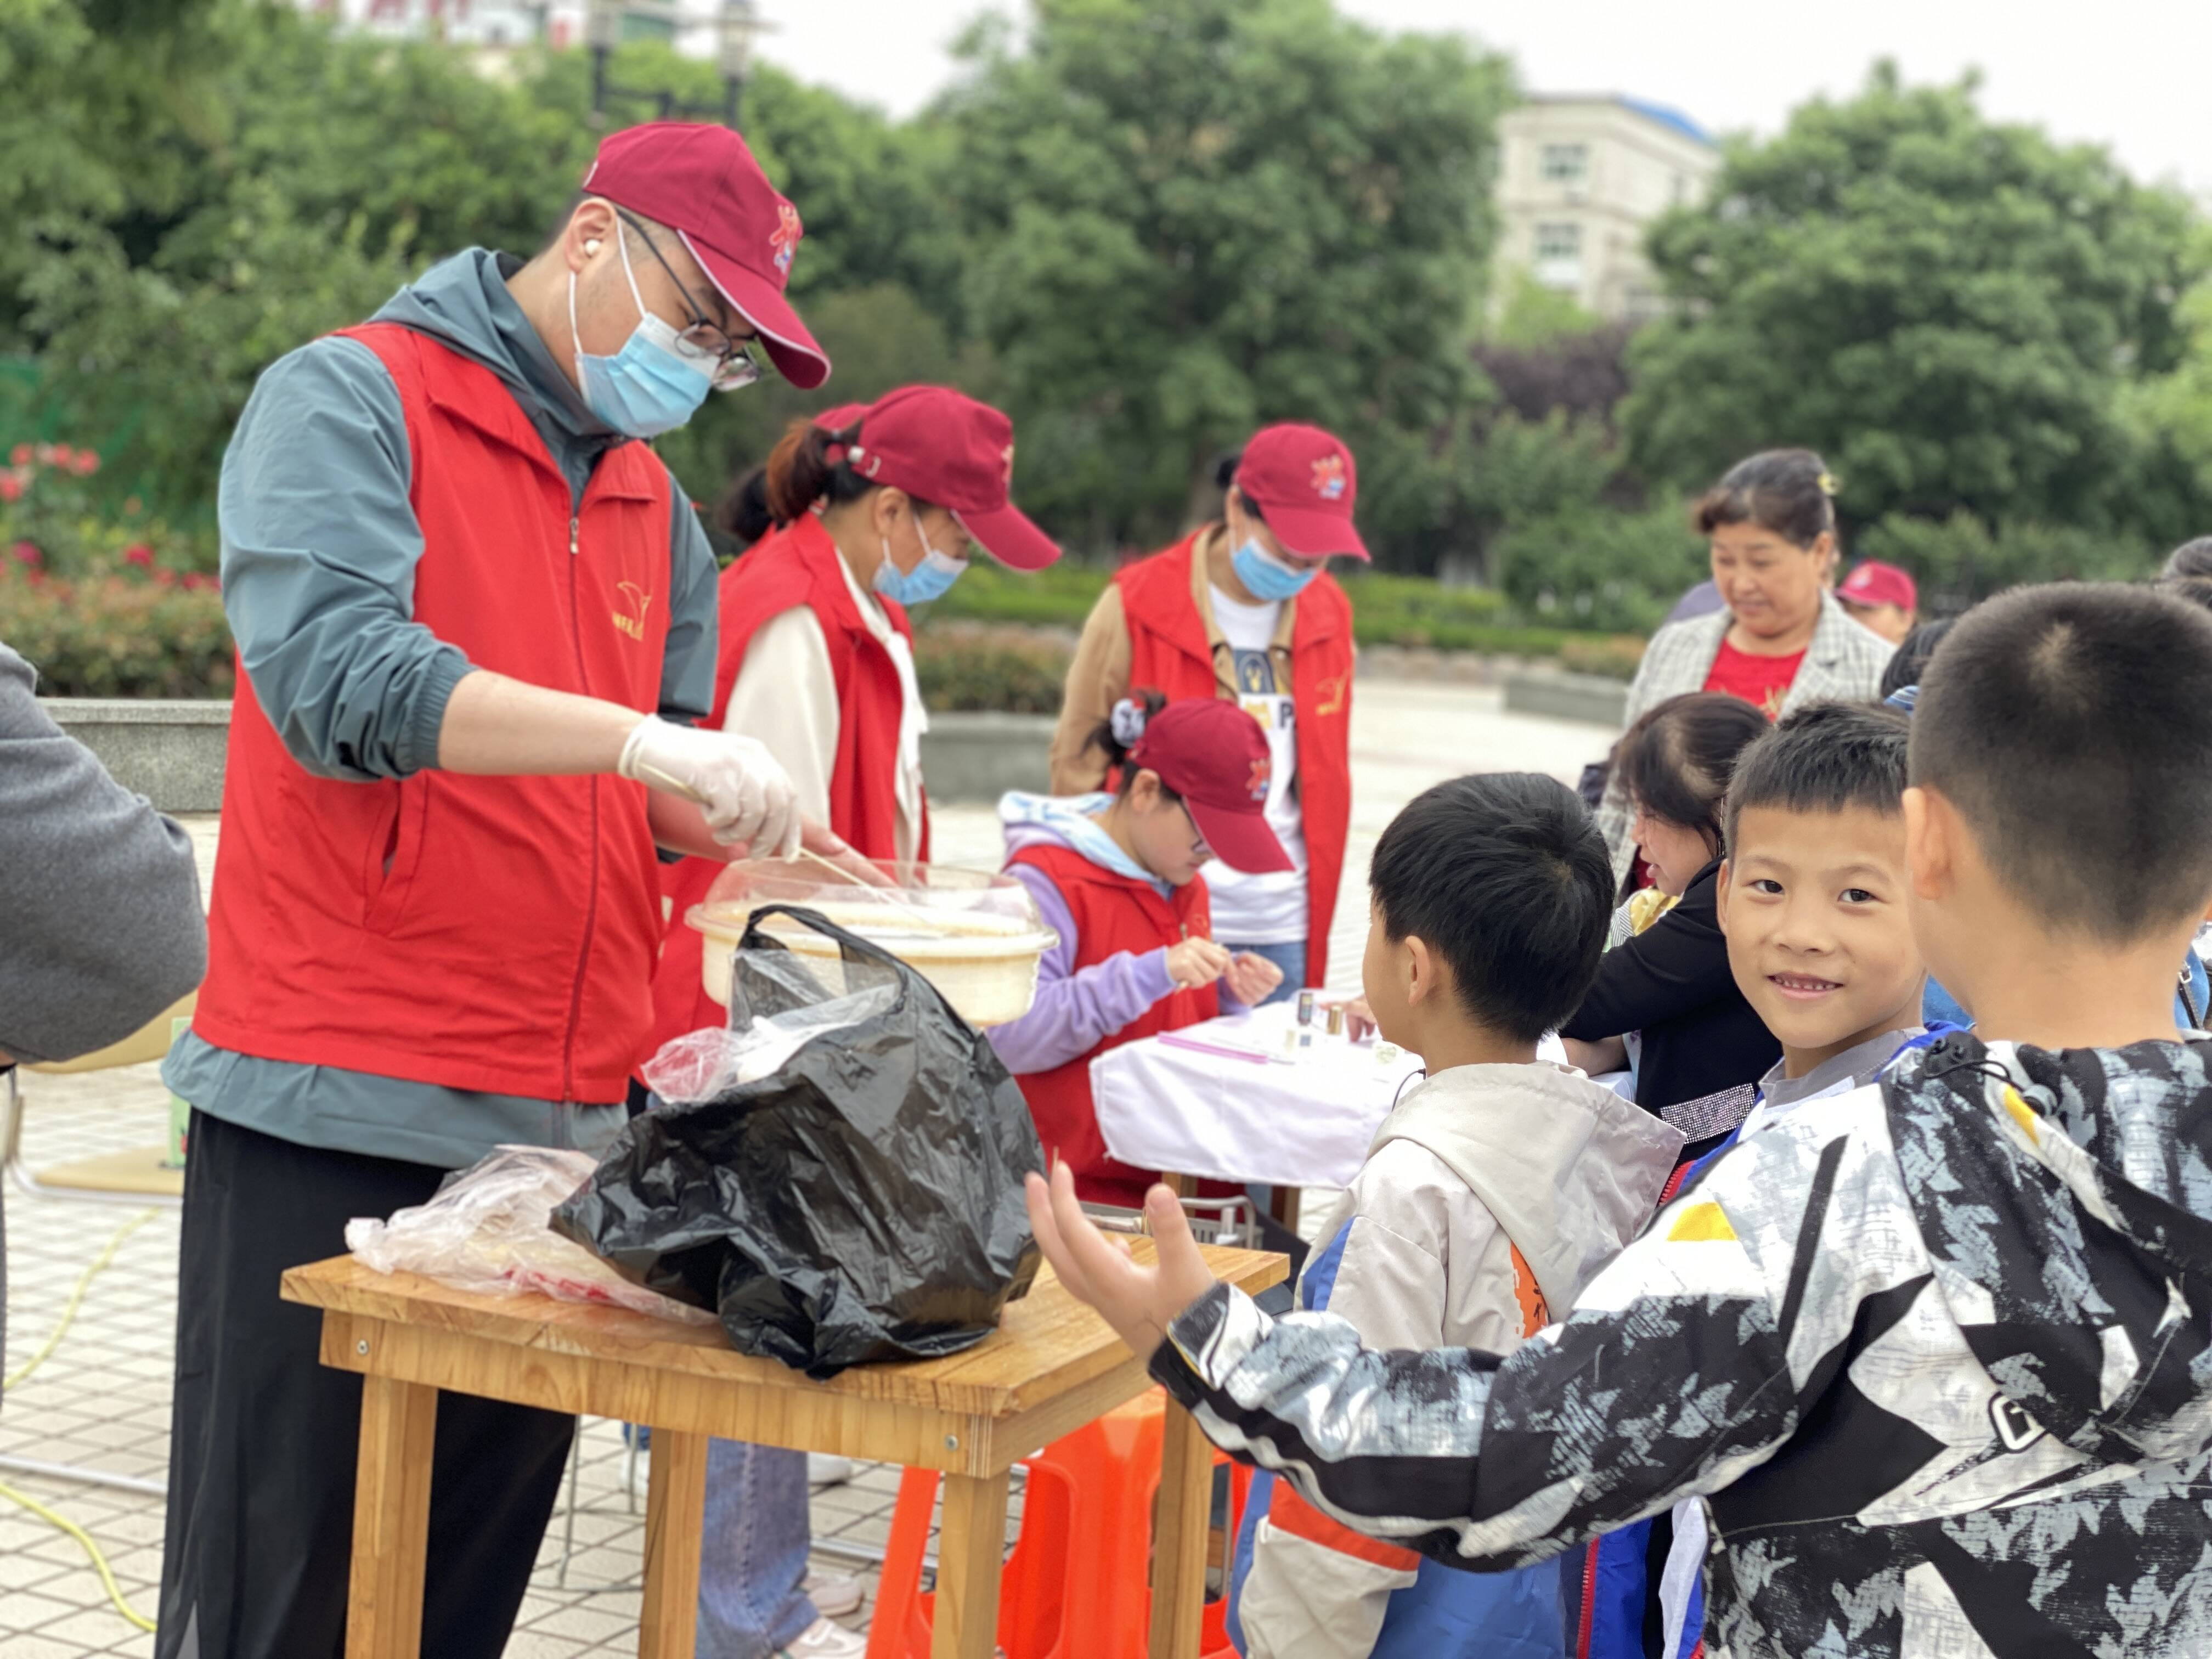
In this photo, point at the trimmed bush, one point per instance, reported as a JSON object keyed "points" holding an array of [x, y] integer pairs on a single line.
{"points": [[117, 629], [975, 668], [1960, 561], [1590, 570]]}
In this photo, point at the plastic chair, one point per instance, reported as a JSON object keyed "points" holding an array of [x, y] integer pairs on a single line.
{"points": [[1077, 1585], [142, 1176]]}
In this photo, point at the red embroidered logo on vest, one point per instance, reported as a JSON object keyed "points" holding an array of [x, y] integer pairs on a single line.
{"points": [[640, 601]]}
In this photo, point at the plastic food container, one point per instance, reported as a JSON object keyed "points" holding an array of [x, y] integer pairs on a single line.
{"points": [[975, 934]]}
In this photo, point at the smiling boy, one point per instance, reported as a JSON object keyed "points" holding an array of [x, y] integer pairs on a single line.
{"points": [[1812, 899], [1937, 1355]]}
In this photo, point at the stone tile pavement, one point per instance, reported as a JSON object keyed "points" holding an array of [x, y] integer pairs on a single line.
{"points": [[101, 1400]]}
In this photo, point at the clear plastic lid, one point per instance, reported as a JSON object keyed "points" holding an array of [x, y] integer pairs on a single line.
{"points": [[876, 898]]}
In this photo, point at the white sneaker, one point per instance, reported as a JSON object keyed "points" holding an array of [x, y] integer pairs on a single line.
{"points": [[825, 1469], [835, 1594], [823, 1640]]}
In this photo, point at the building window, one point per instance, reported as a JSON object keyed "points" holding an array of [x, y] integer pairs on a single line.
{"points": [[1560, 255], [1564, 164]]}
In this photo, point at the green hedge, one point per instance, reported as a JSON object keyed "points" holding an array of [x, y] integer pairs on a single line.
{"points": [[979, 667], [116, 630], [1960, 561], [1407, 610]]}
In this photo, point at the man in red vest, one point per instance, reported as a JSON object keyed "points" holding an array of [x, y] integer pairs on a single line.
{"points": [[474, 618], [1244, 608]]}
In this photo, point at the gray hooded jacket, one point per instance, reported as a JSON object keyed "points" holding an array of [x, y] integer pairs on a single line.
{"points": [[319, 545]]}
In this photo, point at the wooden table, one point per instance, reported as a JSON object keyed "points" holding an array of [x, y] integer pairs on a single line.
{"points": [[1051, 1367]]}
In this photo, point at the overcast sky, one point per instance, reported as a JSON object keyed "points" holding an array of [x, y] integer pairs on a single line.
{"points": [[2130, 74]]}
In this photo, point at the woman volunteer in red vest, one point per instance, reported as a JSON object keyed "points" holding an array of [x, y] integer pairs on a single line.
{"points": [[1117, 878], [816, 657], [1242, 609]]}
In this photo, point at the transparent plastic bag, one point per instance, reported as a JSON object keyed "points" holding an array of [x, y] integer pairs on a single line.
{"points": [[700, 1065], [485, 1230]]}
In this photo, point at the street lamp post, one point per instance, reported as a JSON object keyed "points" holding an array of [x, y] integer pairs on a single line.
{"points": [[737, 24]]}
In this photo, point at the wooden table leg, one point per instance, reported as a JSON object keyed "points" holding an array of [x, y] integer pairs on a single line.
{"points": [[1179, 1545], [971, 1545], [390, 1519], [1283, 1205], [675, 1501]]}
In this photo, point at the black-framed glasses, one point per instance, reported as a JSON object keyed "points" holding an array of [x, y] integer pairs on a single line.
{"points": [[703, 339]]}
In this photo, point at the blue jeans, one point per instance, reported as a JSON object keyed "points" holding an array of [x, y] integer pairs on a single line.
{"points": [[1291, 958], [752, 1557]]}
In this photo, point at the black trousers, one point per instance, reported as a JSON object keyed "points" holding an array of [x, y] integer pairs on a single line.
{"points": [[262, 1442]]}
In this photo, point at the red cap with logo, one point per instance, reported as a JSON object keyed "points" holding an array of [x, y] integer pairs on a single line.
{"points": [[1214, 755], [700, 181], [1875, 583], [944, 447], [1304, 483]]}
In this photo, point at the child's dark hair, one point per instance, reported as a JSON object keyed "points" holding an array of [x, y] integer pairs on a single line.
{"points": [[1788, 491], [742, 514], [1910, 661], [2191, 558], [1506, 876], [1677, 759], [1115, 746], [2066, 725], [801, 471], [1224, 475], [2196, 590], [1825, 758]]}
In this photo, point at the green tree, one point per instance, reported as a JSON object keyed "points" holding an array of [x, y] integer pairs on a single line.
{"points": [[1942, 305], [1189, 217]]}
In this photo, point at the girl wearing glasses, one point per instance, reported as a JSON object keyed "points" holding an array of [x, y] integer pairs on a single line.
{"points": [[1116, 877]]}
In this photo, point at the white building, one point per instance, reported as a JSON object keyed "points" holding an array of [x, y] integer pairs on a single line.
{"points": [[1579, 179]]}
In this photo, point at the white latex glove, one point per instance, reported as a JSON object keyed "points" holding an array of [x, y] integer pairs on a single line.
{"points": [[741, 787]]}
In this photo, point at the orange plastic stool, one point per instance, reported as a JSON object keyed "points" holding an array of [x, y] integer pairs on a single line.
{"points": [[1093, 1488]]}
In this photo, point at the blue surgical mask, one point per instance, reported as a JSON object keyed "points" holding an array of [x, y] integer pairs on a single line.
{"points": [[653, 384], [930, 579], [1266, 577]]}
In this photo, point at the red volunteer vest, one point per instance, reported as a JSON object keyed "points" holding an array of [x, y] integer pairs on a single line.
{"points": [[1111, 913], [479, 932], [795, 566], [1169, 651]]}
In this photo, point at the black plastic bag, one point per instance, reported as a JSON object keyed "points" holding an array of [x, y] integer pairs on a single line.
{"points": [[862, 1202]]}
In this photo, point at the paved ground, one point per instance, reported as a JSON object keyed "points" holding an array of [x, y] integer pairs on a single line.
{"points": [[101, 1401]]}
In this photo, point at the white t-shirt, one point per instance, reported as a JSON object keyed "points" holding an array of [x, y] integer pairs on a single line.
{"points": [[1263, 910]]}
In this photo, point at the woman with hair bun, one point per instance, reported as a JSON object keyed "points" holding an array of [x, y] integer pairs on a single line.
{"points": [[873, 513], [1780, 639], [872, 509]]}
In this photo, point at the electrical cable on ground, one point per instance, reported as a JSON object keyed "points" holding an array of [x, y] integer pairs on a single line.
{"points": [[38, 1358]]}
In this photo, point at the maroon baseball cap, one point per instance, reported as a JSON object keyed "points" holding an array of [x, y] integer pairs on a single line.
{"points": [[700, 181], [838, 417], [1875, 583], [942, 446], [1214, 755], [1304, 482]]}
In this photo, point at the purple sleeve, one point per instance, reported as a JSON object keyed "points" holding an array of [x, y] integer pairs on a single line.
{"points": [[1075, 1010]]}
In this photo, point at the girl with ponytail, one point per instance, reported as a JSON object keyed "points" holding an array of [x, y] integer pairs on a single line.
{"points": [[1115, 875]]}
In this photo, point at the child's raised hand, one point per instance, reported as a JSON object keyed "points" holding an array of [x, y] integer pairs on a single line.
{"points": [[1252, 977], [1196, 962], [1138, 1301]]}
